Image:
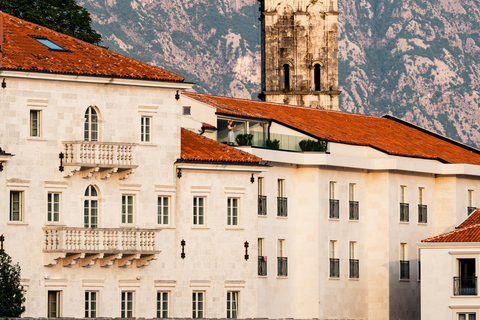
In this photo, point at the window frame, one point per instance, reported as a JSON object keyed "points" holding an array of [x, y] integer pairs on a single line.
{"points": [[161, 303], [128, 209], [195, 212], [92, 304], [334, 261], [232, 304], [233, 211], [404, 258], [90, 200], [161, 210], [58, 303], [282, 259], [21, 206], [146, 129], [196, 302], [91, 124], [124, 300], [51, 205], [38, 125]]}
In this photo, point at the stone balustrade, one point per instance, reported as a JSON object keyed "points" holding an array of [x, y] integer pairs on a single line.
{"points": [[107, 245], [99, 154]]}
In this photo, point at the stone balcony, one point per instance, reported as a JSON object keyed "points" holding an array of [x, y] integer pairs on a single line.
{"points": [[103, 157], [105, 246]]}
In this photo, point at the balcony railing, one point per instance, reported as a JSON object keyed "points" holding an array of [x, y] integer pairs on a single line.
{"points": [[262, 265], [422, 213], [334, 209], [404, 269], [64, 242], [334, 268], [282, 266], [470, 210], [282, 207], [404, 212], [99, 154], [353, 210], [465, 286], [354, 269], [262, 205]]}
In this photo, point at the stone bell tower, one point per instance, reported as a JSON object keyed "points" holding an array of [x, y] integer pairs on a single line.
{"points": [[300, 52]]}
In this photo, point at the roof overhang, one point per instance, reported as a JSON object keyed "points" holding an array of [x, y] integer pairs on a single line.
{"points": [[95, 79]]}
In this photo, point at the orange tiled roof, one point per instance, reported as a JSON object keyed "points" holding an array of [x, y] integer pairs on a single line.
{"points": [[472, 219], [388, 134], [467, 231], [207, 125], [199, 148], [21, 52]]}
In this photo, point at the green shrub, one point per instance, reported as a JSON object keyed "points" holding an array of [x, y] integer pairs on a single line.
{"points": [[244, 139], [313, 145], [273, 144]]}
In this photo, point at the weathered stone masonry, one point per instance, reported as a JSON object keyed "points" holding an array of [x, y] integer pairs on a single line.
{"points": [[300, 52]]}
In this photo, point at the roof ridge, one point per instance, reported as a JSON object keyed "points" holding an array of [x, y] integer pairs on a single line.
{"points": [[283, 104]]}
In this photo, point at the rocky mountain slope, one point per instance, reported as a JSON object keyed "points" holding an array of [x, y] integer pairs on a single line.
{"points": [[416, 59]]}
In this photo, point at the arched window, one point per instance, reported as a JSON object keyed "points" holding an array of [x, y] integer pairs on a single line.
{"points": [[286, 76], [90, 208], [91, 125], [316, 77]]}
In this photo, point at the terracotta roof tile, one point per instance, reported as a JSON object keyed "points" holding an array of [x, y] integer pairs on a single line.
{"points": [[21, 52], [199, 148], [467, 231], [388, 134], [209, 126], [472, 219]]}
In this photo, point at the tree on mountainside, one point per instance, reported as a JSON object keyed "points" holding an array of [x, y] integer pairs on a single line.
{"points": [[11, 295], [64, 16]]}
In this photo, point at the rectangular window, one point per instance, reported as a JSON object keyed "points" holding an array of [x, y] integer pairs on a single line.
{"points": [[53, 207], [422, 207], [54, 306], [353, 203], [334, 261], [187, 111], [145, 129], [35, 123], [282, 260], [163, 210], [471, 202], [262, 199], [334, 203], [162, 304], [127, 209], [404, 212], [127, 304], [232, 304], [354, 263], [90, 304], [281, 187], [404, 262], [467, 316], [465, 284], [281, 199], [262, 258], [16, 205], [198, 304], [232, 211], [199, 211]]}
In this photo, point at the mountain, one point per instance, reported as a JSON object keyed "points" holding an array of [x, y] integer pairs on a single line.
{"points": [[416, 59]]}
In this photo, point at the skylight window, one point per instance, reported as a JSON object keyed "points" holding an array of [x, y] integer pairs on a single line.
{"points": [[50, 44]]}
